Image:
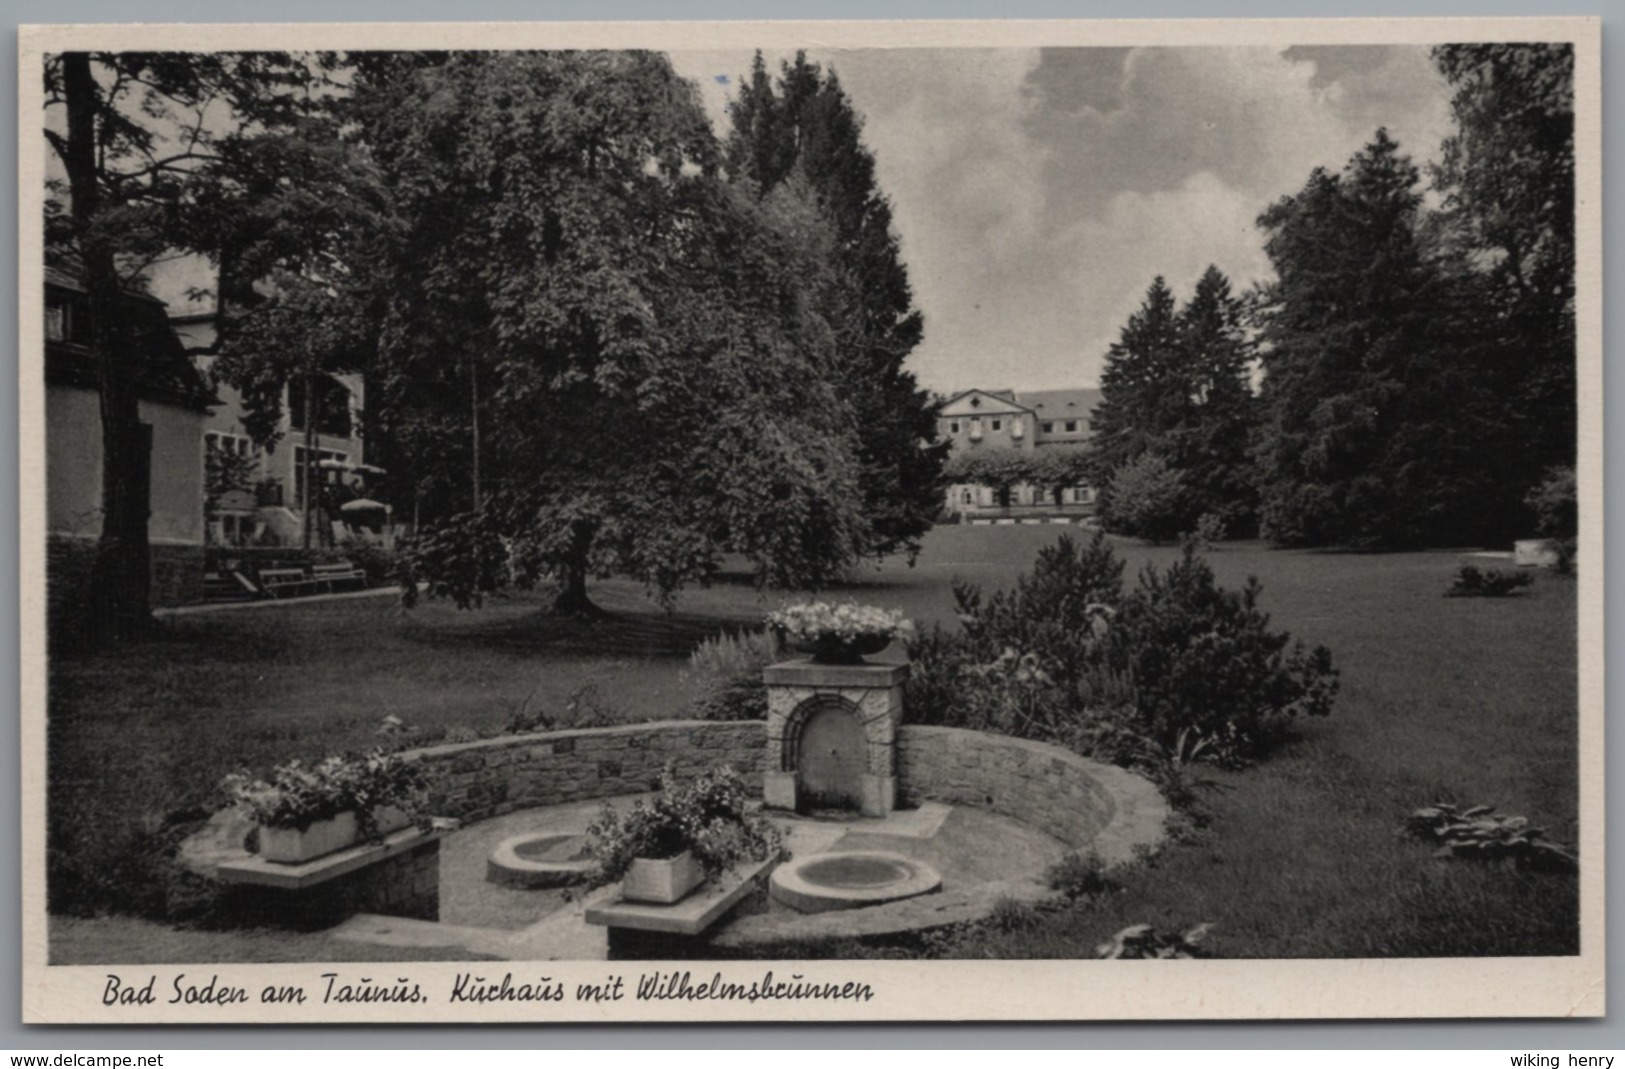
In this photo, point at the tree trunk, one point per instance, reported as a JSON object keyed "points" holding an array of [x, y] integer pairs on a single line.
{"points": [[121, 577], [474, 421], [572, 599], [308, 463]]}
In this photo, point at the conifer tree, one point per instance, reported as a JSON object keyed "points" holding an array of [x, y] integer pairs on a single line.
{"points": [[1143, 395], [1372, 431], [1212, 449], [801, 131]]}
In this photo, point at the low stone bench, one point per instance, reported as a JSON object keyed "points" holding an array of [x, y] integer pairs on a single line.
{"points": [[399, 877], [645, 931]]}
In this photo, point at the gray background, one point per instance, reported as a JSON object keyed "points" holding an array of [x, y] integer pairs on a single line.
{"points": [[1508, 1034]]}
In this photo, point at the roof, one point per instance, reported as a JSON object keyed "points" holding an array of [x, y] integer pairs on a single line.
{"points": [[67, 280], [1060, 404], [166, 375]]}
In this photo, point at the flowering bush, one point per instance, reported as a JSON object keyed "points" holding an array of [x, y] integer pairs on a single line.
{"points": [[706, 815], [297, 796], [810, 621]]}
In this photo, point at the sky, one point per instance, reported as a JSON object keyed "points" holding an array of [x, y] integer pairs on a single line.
{"points": [[1036, 193]]}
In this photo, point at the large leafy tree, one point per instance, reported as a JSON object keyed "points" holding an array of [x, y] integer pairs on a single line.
{"points": [[139, 138], [1507, 177], [1373, 424], [625, 342], [800, 131]]}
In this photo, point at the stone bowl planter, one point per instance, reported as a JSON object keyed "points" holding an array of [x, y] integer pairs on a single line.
{"points": [[836, 649], [662, 882]]}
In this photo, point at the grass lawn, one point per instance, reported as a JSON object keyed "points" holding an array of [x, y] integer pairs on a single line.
{"points": [[1442, 699]]}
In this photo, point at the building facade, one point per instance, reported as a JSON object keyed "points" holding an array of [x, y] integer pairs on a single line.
{"points": [[261, 501], [173, 402], [1034, 425]]}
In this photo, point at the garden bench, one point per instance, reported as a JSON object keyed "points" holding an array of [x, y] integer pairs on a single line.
{"points": [[227, 586], [333, 574], [276, 581]]}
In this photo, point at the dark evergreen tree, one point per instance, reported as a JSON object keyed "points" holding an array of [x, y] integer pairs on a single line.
{"points": [[1144, 396], [802, 132], [1373, 430], [1212, 449], [1507, 176]]}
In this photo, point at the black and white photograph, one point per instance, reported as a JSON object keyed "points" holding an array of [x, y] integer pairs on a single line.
{"points": [[812, 521]]}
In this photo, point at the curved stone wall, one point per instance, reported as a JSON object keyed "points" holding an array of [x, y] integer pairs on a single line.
{"points": [[1086, 804], [476, 780], [1083, 803]]}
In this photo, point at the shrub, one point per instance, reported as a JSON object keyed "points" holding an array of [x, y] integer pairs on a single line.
{"points": [[707, 816], [297, 796], [1210, 530], [1078, 876], [1472, 581], [1012, 914], [1556, 504], [1204, 661], [1478, 833], [1174, 671], [380, 564], [466, 557], [1147, 499], [1056, 612], [727, 669], [1143, 941]]}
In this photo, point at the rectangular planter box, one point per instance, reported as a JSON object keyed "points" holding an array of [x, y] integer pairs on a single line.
{"points": [[290, 846], [662, 882]]}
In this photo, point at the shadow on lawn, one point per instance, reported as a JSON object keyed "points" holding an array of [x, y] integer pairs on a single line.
{"points": [[651, 634]]}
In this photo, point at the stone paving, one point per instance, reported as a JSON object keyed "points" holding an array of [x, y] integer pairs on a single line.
{"points": [[982, 857]]}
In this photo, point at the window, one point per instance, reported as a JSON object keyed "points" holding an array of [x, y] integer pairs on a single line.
{"points": [[998, 424], [965, 497], [320, 474], [332, 405], [56, 322], [1071, 426], [953, 426], [1049, 428]]}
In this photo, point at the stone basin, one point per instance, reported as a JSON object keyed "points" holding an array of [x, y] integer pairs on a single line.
{"points": [[540, 859], [851, 879]]}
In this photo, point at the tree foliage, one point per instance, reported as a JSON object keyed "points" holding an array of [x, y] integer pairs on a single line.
{"points": [[1176, 384], [638, 343], [801, 131], [143, 139], [1375, 413], [1507, 179], [1150, 499]]}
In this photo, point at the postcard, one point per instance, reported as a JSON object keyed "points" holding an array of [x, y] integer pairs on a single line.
{"points": [[811, 521]]}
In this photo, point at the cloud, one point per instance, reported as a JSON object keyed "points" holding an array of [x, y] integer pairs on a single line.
{"points": [[1037, 193]]}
